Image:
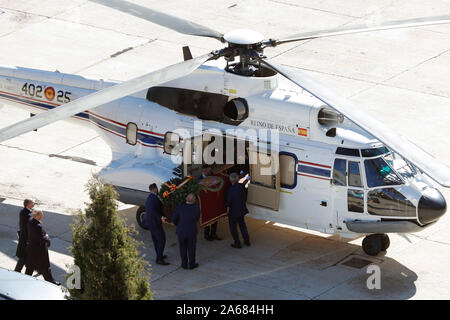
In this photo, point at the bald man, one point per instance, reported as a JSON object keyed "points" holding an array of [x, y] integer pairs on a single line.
{"points": [[186, 217], [37, 249]]}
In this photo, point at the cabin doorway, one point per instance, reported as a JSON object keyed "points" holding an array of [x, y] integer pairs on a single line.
{"points": [[257, 166]]}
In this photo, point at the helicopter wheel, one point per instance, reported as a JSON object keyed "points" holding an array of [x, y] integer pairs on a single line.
{"points": [[385, 242], [140, 216], [373, 244]]}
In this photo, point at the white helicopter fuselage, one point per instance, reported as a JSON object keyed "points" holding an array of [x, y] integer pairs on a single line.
{"points": [[313, 199]]}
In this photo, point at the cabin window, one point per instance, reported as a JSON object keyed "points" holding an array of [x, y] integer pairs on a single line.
{"points": [[354, 176], [131, 133], [339, 172], [172, 143], [288, 174], [262, 170]]}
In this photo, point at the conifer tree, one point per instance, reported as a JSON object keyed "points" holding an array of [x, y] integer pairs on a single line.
{"points": [[105, 251]]}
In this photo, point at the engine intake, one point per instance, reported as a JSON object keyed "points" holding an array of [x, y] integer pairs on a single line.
{"points": [[236, 109], [327, 116]]}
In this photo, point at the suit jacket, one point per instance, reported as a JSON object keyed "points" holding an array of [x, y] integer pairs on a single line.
{"points": [[185, 217], [24, 216], [235, 201], [37, 249], [153, 209]]}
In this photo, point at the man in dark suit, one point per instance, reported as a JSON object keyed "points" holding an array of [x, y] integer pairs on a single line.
{"points": [[235, 201], [24, 216], [154, 220], [185, 217], [37, 248]]}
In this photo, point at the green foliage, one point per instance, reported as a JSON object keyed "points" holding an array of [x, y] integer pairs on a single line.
{"points": [[179, 196], [105, 251]]}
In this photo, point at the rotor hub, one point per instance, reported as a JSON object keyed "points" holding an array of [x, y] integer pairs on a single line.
{"points": [[243, 37]]}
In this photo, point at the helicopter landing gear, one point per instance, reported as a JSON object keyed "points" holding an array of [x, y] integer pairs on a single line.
{"points": [[374, 243], [140, 216]]}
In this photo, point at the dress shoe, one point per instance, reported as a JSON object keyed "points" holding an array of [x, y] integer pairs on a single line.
{"points": [[164, 257], [194, 266], [237, 246], [162, 262], [216, 237], [209, 238], [184, 267], [247, 243]]}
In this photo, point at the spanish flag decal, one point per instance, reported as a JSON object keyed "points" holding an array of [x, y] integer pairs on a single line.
{"points": [[303, 132]]}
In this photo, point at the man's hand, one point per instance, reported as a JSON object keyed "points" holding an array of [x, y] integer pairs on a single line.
{"points": [[164, 219]]}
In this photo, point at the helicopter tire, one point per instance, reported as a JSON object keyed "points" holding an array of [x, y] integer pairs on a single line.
{"points": [[372, 244], [140, 216], [385, 242]]}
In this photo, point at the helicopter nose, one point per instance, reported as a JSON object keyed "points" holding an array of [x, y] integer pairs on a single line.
{"points": [[432, 206]]}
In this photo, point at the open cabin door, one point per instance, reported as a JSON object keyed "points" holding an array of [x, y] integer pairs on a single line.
{"points": [[264, 186], [192, 156], [214, 150], [263, 166]]}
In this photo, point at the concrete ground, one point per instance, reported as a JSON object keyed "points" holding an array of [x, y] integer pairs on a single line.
{"points": [[400, 77]]}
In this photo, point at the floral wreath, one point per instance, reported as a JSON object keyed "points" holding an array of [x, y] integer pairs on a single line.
{"points": [[173, 187], [219, 187]]}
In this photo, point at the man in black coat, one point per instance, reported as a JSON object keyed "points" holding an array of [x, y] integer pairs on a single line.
{"points": [[37, 248], [154, 220], [237, 209], [185, 217], [24, 216]]}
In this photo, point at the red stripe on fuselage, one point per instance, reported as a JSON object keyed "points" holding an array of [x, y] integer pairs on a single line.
{"points": [[315, 164], [88, 112], [124, 125], [119, 135], [29, 98], [307, 175], [34, 106]]}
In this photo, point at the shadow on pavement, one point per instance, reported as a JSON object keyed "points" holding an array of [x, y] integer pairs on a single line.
{"points": [[281, 263]]}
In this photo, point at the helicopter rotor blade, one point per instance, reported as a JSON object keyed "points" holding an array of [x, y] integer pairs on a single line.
{"points": [[397, 24], [421, 159], [104, 96], [162, 19]]}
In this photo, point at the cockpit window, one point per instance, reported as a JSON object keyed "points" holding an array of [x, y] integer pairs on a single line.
{"points": [[379, 173], [400, 165], [374, 152], [347, 152], [389, 202]]}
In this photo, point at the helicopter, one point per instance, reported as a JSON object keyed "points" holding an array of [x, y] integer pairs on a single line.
{"points": [[327, 166]]}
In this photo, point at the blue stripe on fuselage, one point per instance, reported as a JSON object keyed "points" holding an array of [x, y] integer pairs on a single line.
{"points": [[313, 170], [40, 104], [143, 137]]}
